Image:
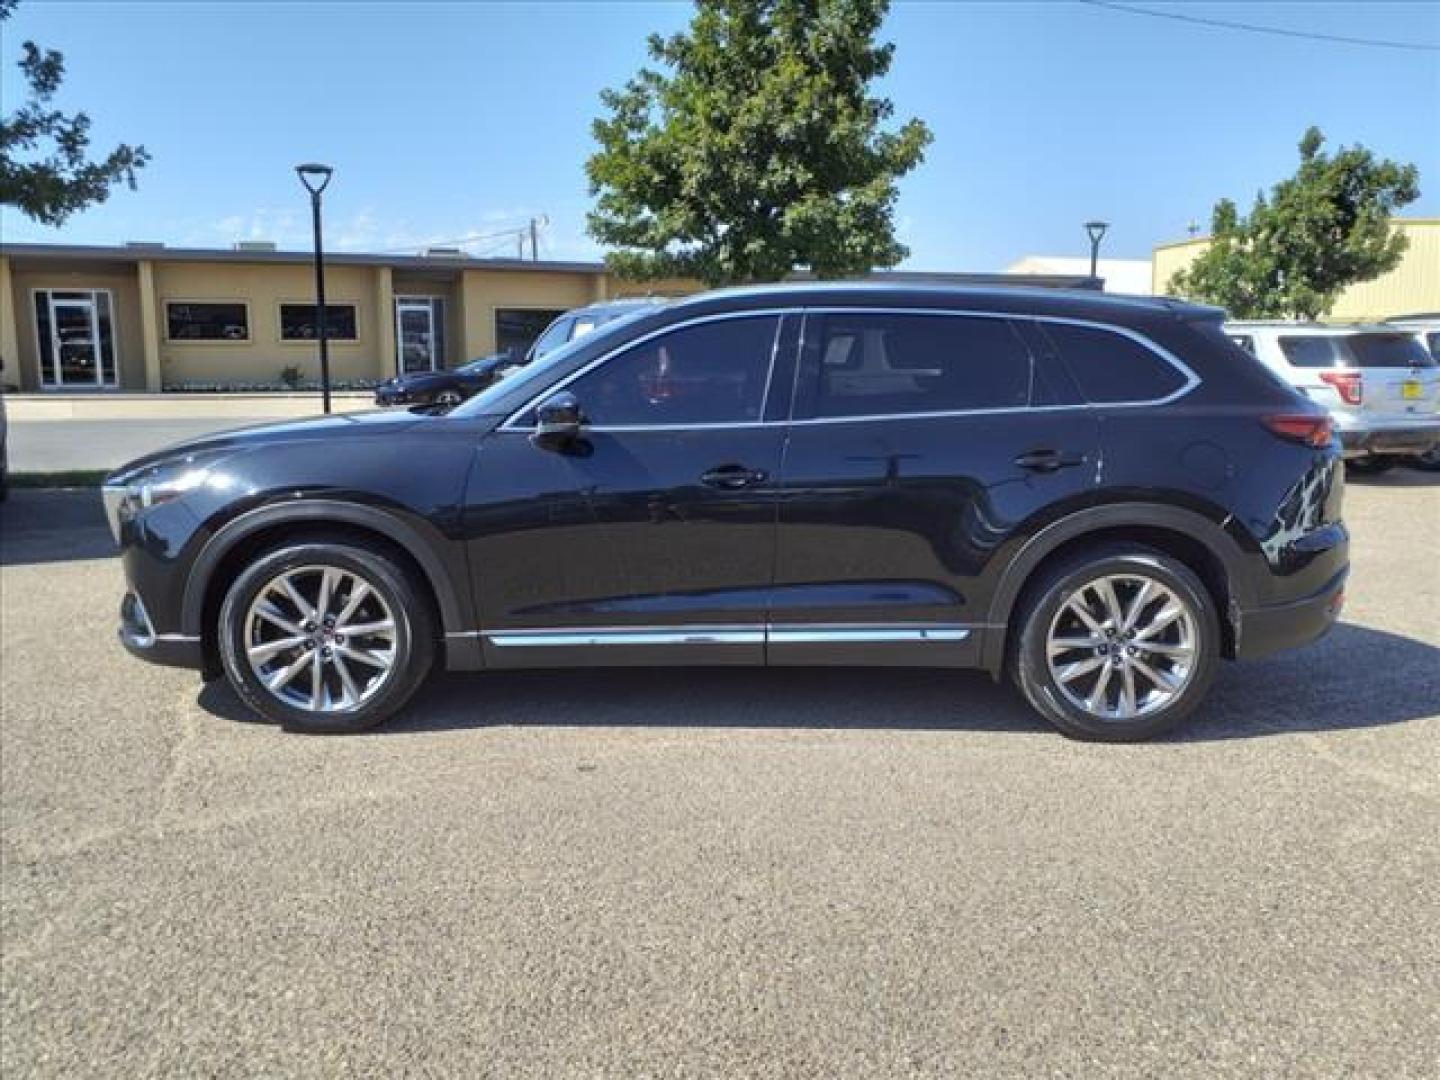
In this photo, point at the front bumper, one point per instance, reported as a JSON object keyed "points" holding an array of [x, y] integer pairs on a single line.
{"points": [[1405, 439], [1265, 630], [140, 639]]}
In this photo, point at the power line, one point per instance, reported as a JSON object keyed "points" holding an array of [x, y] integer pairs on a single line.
{"points": [[1221, 24]]}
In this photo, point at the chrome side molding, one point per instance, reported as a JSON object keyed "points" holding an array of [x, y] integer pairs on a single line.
{"points": [[742, 634]]}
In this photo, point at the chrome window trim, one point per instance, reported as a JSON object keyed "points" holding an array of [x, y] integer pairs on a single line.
{"points": [[728, 634], [1192, 380]]}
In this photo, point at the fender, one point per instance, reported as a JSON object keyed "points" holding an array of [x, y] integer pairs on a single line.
{"points": [[1196, 526], [456, 614]]}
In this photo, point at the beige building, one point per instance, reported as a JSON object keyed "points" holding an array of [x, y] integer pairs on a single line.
{"points": [[1411, 288], [150, 318]]}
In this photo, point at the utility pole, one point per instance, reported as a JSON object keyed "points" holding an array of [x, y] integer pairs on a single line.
{"points": [[534, 241]]}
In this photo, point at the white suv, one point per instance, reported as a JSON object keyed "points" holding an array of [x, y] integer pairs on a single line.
{"points": [[1380, 383]]}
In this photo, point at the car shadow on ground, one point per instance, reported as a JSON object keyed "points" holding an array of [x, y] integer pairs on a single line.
{"points": [[1354, 678], [49, 525]]}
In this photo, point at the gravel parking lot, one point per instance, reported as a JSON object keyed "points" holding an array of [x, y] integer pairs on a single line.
{"points": [[785, 873]]}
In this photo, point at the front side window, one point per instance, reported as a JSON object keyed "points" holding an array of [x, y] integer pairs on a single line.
{"points": [[894, 364], [298, 322], [206, 321], [709, 373], [1111, 368]]}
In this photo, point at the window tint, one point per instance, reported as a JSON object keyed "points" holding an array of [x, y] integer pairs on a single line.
{"points": [[517, 328], [1433, 340], [298, 322], [1111, 368], [711, 373], [885, 364], [207, 322], [1396, 350]]}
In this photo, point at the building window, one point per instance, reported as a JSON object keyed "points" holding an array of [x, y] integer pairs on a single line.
{"points": [[187, 321], [297, 322], [517, 328], [76, 332]]}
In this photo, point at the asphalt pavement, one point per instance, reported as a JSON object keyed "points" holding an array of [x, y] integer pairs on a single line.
{"points": [[718, 873]]}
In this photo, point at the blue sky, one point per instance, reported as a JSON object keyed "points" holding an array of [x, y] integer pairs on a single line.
{"points": [[446, 120]]}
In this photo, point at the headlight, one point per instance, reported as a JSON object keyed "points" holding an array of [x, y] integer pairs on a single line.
{"points": [[127, 496]]}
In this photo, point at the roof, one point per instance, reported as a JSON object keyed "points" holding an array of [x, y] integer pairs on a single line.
{"points": [[1315, 329], [1007, 297], [121, 254]]}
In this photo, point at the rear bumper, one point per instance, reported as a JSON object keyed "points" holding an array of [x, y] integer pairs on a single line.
{"points": [[1265, 630], [1405, 438]]}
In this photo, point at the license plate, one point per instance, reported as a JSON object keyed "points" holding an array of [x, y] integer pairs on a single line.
{"points": [[1410, 390]]}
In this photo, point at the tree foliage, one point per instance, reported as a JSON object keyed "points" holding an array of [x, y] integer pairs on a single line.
{"points": [[1324, 228], [45, 170], [759, 150]]}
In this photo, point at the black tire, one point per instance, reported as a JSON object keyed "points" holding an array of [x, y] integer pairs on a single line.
{"points": [[414, 632], [1428, 461], [1029, 662], [1373, 465], [448, 399]]}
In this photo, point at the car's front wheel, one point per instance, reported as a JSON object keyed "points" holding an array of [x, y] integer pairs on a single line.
{"points": [[326, 636], [1118, 644]]}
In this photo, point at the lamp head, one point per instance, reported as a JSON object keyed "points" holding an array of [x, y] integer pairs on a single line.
{"points": [[1096, 229], [314, 176]]}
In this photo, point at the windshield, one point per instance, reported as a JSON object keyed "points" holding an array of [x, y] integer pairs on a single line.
{"points": [[497, 397]]}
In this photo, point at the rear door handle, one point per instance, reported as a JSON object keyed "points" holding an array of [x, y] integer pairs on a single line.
{"points": [[733, 477], [1048, 460]]}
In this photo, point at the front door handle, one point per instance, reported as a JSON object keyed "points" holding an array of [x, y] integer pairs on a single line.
{"points": [[733, 477], [1048, 460]]}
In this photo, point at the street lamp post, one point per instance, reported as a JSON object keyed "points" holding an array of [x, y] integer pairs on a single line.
{"points": [[1096, 229], [316, 178]]}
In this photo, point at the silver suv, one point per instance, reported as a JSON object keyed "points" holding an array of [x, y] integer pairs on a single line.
{"points": [[1379, 383]]}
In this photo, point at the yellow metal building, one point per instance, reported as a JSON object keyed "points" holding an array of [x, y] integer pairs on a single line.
{"points": [[1411, 288]]}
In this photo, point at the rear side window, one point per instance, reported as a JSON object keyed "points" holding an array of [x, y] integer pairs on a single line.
{"points": [[898, 364], [1433, 340], [1110, 368], [1396, 350]]}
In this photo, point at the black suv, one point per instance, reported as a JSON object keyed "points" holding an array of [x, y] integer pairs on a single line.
{"points": [[1100, 496]]}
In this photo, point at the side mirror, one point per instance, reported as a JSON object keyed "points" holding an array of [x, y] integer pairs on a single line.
{"points": [[558, 419]]}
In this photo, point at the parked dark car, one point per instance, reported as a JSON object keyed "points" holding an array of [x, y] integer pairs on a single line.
{"points": [[1100, 496], [444, 389]]}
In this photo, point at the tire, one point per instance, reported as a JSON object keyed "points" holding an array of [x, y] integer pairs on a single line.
{"points": [[1075, 706], [1428, 461], [365, 678], [1373, 465], [448, 399]]}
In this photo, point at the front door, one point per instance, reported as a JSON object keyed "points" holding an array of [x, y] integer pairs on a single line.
{"points": [[921, 444], [76, 339], [652, 534], [418, 334]]}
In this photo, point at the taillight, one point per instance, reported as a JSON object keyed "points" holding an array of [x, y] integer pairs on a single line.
{"points": [[1302, 428], [1346, 384]]}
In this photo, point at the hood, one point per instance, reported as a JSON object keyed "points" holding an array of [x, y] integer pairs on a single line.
{"points": [[377, 423]]}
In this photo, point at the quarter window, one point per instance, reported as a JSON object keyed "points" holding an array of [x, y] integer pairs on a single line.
{"points": [[1111, 368], [298, 322], [206, 321], [884, 364], [709, 373]]}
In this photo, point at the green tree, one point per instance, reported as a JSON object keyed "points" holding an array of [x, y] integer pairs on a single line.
{"points": [[44, 168], [758, 152], [1324, 228]]}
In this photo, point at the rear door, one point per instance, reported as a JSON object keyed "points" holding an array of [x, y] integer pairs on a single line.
{"points": [[923, 445]]}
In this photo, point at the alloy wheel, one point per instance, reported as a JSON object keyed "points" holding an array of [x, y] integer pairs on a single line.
{"points": [[1122, 646], [320, 638]]}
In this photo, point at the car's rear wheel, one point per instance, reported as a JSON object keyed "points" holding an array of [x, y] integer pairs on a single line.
{"points": [[1373, 465], [1117, 645], [326, 636], [448, 399], [1429, 461]]}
